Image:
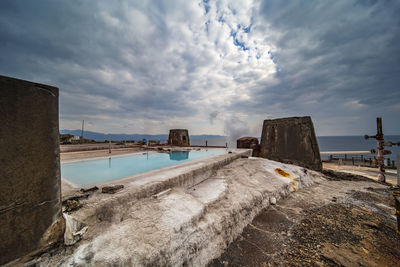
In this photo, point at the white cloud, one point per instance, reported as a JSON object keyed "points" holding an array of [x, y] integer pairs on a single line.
{"points": [[147, 66]]}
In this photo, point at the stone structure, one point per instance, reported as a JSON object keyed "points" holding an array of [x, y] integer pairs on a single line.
{"points": [[246, 142], [30, 191], [291, 140], [178, 137], [249, 142]]}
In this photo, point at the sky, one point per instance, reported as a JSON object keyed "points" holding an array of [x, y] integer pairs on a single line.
{"points": [[213, 67]]}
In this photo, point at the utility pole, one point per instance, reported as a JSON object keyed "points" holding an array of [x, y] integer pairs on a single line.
{"points": [[83, 122], [381, 152], [398, 170]]}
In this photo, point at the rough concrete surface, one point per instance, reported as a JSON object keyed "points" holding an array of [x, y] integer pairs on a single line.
{"points": [[30, 193], [345, 220], [183, 225], [291, 140]]}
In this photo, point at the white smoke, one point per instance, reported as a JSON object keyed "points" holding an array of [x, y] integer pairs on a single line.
{"points": [[235, 128], [213, 115]]}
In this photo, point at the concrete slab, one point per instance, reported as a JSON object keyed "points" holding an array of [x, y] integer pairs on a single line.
{"points": [[209, 190]]}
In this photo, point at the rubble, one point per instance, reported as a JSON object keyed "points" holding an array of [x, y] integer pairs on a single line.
{"points": [[111, 189]]}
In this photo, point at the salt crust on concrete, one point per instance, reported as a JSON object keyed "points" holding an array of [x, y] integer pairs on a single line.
{"points": [[185, 225]]}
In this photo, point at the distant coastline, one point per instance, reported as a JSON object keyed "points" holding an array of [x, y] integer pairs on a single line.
{"points": [[326, 143], [136, 137]]}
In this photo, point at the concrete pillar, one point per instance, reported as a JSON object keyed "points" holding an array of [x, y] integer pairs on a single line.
{"points": [[30, 184], [291, 140]]}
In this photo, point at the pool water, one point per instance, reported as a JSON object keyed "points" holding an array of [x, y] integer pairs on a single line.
{"points": [[90, 172]]}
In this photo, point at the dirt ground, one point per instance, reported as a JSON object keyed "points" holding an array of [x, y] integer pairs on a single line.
{"points": [[347, 221], [369, 172]]}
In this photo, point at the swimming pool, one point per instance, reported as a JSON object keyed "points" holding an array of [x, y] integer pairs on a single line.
{"points": [[90, 172]]}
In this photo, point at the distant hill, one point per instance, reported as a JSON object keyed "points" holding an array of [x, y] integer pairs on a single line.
{"points": [[121, 137]]}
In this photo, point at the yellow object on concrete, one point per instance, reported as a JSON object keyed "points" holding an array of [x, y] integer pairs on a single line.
{"points": [[287, 175]]}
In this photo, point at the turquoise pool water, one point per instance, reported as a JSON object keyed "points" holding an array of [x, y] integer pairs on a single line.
{"points": [[90, 172]]}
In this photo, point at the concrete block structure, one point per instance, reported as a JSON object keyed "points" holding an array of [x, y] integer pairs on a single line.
{"points": [[246, 142], [178, 137], [291, 140], [249, 142], [30, 191]]}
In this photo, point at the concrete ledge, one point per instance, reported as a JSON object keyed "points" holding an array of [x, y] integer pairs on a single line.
{"points": [[102, 207], [90, 147]]}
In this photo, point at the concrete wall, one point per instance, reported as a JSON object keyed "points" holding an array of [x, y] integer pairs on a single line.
{"points": [[249, 142], [291, 140], [30, 185], [178, 137]]}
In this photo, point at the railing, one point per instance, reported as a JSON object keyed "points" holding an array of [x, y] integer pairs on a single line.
{"points": [[355, 158]]}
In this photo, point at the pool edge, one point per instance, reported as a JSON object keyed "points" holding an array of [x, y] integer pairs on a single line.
{"points": [[100, 205]]}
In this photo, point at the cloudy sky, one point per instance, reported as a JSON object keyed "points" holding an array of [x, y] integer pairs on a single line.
{"points": [[210, 66]]}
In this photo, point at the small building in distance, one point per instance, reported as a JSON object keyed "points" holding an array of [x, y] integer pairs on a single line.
{"points": [[178, 137]]}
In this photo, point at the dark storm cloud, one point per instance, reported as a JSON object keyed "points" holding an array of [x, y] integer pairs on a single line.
{"points": [[69, 45], [334, 56]]}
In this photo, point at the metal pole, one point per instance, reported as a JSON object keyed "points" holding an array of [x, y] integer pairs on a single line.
{"points": [[109, 146], [380, 156], [398, 169], [83, 122]]}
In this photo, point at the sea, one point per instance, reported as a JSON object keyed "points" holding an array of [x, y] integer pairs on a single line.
{"points": [[325, 143]]}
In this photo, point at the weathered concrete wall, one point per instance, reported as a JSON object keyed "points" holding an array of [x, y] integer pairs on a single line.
{"points": [[291, 140], [178, 137], [246, 142], [249, 142], [30, 195]]}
